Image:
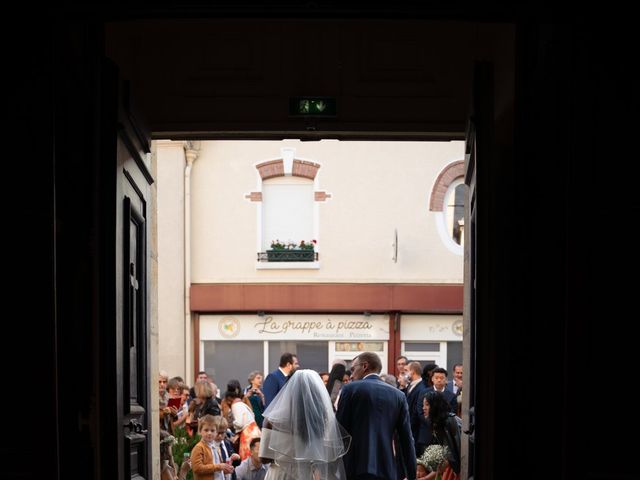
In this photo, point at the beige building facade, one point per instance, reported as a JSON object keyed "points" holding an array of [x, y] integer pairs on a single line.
{"points": [[385, 273]]}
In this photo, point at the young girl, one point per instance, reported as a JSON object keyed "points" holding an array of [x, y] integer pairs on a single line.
{"points": [[421, 471], [168, 467], [206, 456]]}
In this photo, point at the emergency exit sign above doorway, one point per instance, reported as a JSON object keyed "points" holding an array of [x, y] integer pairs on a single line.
{"points": [[312, 107]]}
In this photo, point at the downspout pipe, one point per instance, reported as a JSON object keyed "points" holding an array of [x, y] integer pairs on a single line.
{"points": [[191, 150]]}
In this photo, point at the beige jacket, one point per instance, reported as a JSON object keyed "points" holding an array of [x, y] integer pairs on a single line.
{"points": [[202, 462]]}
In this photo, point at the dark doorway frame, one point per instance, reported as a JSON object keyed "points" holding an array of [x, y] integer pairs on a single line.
{"points": [[551, 288]]}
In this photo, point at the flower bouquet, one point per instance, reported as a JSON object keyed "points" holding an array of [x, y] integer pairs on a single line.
{"points": [[435, 457]]}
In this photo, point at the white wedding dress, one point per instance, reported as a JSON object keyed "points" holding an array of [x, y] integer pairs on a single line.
{"points": [[301, 434], [275, 472]]}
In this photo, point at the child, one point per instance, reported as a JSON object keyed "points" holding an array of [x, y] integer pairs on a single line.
{"points": [[206, 457], [252, 467], [229, 455], [168, 467], [421, 471]]}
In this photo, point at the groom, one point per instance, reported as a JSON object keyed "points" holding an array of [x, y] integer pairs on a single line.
{"points": [[276, 379], [371, 410]]}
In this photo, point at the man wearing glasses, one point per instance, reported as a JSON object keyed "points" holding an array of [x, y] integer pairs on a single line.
{"points": [[372, 411]]}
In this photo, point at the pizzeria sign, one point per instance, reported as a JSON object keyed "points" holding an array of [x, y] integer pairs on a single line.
{"points": [[294, 327]]}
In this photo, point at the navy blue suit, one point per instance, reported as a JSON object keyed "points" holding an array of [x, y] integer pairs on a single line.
{"points": [[450, 387], [414, 401], [371, 411], [272, 385], [227, 451]]}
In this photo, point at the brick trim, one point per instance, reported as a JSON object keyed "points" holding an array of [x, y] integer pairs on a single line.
{"points": [[321, 196], [254, 197], [302, 168], [450, 173], [271, 169]]}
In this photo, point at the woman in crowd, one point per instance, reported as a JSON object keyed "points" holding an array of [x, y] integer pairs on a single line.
{"points": [[203, 404], [253, 394], [445, 429], [336, 377], [244, 422]]}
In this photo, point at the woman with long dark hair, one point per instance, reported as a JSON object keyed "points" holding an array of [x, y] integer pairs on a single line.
{"points": [[336, 375], [242, 418], [445, 430]]}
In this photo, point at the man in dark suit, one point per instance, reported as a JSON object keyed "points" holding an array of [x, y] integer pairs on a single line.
{"points": [[439, 379], [371, 411], [275, 380], [415, 391], [455, 384]]}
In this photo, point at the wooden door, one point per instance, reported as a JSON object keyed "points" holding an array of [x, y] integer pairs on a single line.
{"points": [[478, 372], [133, 210]]}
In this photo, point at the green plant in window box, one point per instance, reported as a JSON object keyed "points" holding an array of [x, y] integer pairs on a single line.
{"points": [[278, 245], [291, 251], [307, 246]]}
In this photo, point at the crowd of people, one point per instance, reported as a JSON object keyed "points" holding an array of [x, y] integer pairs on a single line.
{"points": [[299, 424]]}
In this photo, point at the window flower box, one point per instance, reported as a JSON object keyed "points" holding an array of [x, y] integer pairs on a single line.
{"points": [[292, 252], [291, 255]]}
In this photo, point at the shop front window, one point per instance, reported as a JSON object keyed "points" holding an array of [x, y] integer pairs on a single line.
{"points": [[313, 355], [221, 359]]}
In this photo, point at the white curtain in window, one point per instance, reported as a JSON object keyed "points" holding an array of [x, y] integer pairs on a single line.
{"points": [[287, 213]]}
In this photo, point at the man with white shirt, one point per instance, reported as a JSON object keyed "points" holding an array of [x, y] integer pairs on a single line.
{"points": [[455, 384], [252, 468], [439, 379], [401, 372], [275, 380]]}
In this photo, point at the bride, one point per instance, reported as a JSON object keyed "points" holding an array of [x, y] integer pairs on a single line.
{"points": [[301, 437]]}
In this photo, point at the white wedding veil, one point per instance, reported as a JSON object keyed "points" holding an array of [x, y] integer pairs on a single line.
{"points": [[301, 433]]}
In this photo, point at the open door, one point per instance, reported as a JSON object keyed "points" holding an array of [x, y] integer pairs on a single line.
{"points": [[133, 181], [478, 376]]}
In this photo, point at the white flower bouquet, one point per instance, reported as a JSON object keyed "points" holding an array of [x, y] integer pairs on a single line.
{"points": [[434, 457]]}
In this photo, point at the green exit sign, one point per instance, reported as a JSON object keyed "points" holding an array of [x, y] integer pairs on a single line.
{"points": [[312, 107]]}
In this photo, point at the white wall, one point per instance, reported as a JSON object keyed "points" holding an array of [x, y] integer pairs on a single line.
{"points": [[375, 188], [170, 215]]}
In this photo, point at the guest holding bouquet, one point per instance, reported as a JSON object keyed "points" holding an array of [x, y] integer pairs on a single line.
{"points": [[446, 432]]}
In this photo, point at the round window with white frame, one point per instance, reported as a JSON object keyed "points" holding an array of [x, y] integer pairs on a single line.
{"points": [[447, 203], [454, 210]]}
